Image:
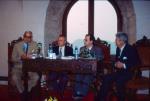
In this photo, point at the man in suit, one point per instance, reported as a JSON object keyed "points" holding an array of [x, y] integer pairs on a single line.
{"points": [[126, 59], [59, 81], [23, 50], [62, 49], [83, 81]]}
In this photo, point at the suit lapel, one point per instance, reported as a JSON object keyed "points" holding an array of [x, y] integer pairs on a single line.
{"points": [[118, 52], [123, 52], [57, 50], [65, 51]]}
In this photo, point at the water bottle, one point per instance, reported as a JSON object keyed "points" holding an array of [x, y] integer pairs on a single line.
{"points": [[39, 50], [50, 48], [50, 52], [76, 52]]}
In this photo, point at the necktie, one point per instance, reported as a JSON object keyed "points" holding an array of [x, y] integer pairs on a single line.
{"points": [[27, 46], [60, 52]]}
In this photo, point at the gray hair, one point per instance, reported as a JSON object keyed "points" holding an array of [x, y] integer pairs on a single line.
{"points": [[122, 36]]}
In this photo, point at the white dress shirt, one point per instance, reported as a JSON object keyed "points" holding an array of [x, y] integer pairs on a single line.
{"points": [[90, 47]]}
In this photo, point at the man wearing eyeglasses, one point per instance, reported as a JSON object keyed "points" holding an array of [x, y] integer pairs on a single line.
{"points": [[83, 81], [23, 50]]}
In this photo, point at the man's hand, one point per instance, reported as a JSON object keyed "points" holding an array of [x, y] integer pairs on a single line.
{"points": [[24, 56], [119, 65]]}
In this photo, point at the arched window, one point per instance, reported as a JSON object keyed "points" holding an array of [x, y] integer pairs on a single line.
{"points": [[96, 17], [77, 23]]}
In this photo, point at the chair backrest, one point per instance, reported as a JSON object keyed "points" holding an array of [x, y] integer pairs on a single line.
{"points": [[105, 48], [10, 48], [141, 79], [143, 49]]}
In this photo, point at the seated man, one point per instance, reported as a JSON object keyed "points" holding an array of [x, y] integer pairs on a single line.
{"points": [[126, 58], [62, 50], [83, 81], [23, 50], [58, 81]]}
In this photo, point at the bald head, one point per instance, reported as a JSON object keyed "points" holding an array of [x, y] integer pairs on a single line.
{"points": [[27, 36]]}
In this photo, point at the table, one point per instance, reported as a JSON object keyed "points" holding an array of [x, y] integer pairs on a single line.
{"points": [[42, 65], [68, 65]]}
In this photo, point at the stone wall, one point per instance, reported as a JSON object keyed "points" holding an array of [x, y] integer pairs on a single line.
{"points": [[53, 22], [142, 11], [128, 18]]}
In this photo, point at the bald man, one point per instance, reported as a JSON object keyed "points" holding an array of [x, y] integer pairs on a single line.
{"points": [[23, 50]]}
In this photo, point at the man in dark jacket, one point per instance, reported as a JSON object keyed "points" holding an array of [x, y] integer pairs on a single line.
{"points": [[62, 49], [58, 81], [126, 58], [83, 81]]}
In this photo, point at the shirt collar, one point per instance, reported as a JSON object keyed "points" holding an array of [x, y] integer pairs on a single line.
{"points": [[62, 47], [121, 49], [90, 47]]}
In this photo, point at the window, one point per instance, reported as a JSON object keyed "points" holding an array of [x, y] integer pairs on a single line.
{"points": [[77, 23], [105, 22]]}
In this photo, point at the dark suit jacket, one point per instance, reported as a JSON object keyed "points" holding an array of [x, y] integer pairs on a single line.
{"points": [[68, 50], [128, 56], [95, 50]]}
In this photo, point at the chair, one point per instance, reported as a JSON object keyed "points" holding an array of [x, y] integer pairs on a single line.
{"points": [[138, 81], [106, 63], [104, 67], [11, 88], [105, 48]]}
